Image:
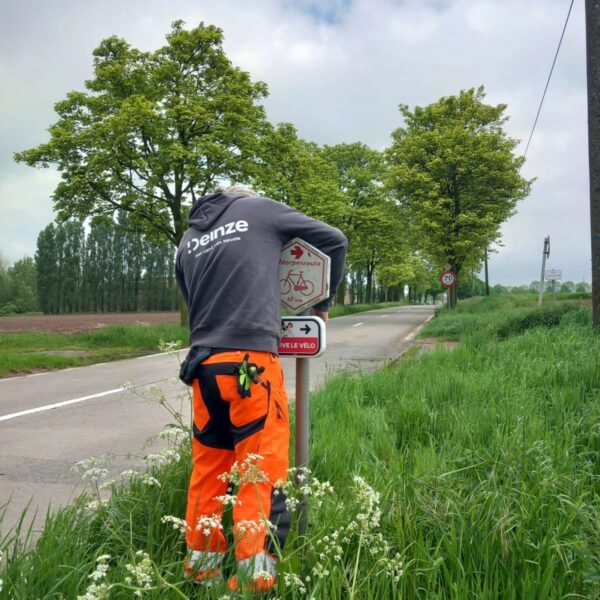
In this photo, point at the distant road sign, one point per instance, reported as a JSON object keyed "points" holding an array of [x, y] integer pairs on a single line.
{"points": [[553, 274], [302, 337], [303, 276], [448, 278]]}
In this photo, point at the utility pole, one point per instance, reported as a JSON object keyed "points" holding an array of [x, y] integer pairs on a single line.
{"points": [[545, 255], [487, 276], [592, 27]]}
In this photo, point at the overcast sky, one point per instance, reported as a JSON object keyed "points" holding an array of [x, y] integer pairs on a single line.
{"points": [[336, 69]]}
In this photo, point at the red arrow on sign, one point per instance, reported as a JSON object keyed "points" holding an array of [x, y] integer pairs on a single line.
{"points": [[297, 252]]}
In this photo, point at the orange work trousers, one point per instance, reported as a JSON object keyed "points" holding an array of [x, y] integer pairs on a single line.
{"points": [[252, 432]]}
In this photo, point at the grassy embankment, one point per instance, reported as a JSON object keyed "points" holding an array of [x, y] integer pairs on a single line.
{"points": [[480, 467], [27, 352]]}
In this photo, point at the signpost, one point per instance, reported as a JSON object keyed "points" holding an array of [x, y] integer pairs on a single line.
{"points": [[448, 278], [554, 275], [545, 255], [304, 282], [302, 337]]}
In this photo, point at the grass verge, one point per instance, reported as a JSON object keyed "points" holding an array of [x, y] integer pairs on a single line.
{"points": [[27, 352], [478, 468]]}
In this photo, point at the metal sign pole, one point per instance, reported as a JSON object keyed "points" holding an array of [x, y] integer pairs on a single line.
{"points": [[302, 429], [546, 253]]}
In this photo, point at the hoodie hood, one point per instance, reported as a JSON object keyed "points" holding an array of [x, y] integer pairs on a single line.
{"points": [[209, 208]]}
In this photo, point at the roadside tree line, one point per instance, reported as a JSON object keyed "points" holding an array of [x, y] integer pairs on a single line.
{"points": [[154, 131]]}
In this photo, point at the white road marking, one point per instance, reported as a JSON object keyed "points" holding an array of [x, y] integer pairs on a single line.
{"points": [[152, 355], [411, 336], [357, 324], [384, 316], [38, 409]]}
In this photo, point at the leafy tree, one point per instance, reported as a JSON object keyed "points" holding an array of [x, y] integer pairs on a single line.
{"points": [[567, 286], [23, 294], [153, 131], [298, 173], [469, 286], [4, 282], [47, 269], [454, 169], [372, 222], [582, 286]]}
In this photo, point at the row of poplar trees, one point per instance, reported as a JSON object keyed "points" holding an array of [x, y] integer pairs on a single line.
{"points": [[155, 131], [112, 268]]}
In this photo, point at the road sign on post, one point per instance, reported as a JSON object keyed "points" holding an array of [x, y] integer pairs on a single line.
{"points": [[304, 282], [448, 278], [302, 337], [553, 274], [303, 276]]}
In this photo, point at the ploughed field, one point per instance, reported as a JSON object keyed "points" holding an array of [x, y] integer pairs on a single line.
{"points": [[77, 323]]}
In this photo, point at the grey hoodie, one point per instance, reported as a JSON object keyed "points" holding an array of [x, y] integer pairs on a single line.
{"points": [[227, 268]]}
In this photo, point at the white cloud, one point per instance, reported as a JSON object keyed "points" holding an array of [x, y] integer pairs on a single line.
{"points": [[338, 71]]}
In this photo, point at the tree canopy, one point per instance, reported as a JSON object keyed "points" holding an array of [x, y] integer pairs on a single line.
{"points": [[153, 131], [454, 169]]}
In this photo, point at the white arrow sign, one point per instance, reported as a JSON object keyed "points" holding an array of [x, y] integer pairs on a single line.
{"points": [[302, 337]]}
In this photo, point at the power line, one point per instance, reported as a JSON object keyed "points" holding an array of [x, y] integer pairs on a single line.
{"points": [[562, 35]]}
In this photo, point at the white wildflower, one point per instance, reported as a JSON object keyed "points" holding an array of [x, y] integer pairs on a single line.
{"points": [[85, 464], [128, 474], [173, 434], [177, 523], [94, 505], [164, 457], [320, 572], [97, 591], [393, 567], [294, 581], [143, 571], [227, 500], [94, 474], [248, 526], [148, 480], [208, 524]]}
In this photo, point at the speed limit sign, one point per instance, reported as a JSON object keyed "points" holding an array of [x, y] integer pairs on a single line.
{"points": [[448, 278]]}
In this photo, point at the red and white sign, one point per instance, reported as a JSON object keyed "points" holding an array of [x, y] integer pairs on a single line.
{"points": [[448, 278], [302, 337], [303, 276]]}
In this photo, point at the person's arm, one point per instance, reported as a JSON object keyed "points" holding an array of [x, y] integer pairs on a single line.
{"points": [[291, 223], [181, 281]]}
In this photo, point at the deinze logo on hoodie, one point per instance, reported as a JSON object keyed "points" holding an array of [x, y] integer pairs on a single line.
{"points": [[214, 235]]}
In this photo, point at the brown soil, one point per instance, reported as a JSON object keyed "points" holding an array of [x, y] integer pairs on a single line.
{"points": [[78, 323], [427, 344]]}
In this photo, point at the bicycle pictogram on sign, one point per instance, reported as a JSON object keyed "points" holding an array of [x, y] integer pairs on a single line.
{"points": [[295, 281]]}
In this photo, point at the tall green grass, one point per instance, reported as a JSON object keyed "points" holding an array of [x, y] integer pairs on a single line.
{"points": [[486, 460]]}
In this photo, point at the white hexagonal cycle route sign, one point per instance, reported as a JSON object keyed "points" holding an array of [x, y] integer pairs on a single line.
{"points": [[303, 276]]}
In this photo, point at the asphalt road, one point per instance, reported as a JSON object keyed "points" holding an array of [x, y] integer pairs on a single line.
{"points": [[49, 421]]}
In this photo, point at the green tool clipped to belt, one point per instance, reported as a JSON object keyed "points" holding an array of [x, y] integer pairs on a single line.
{"points": [[248, 373]]}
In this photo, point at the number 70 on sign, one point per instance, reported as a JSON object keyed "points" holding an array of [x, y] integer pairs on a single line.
{"points": [[448, 278]]}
